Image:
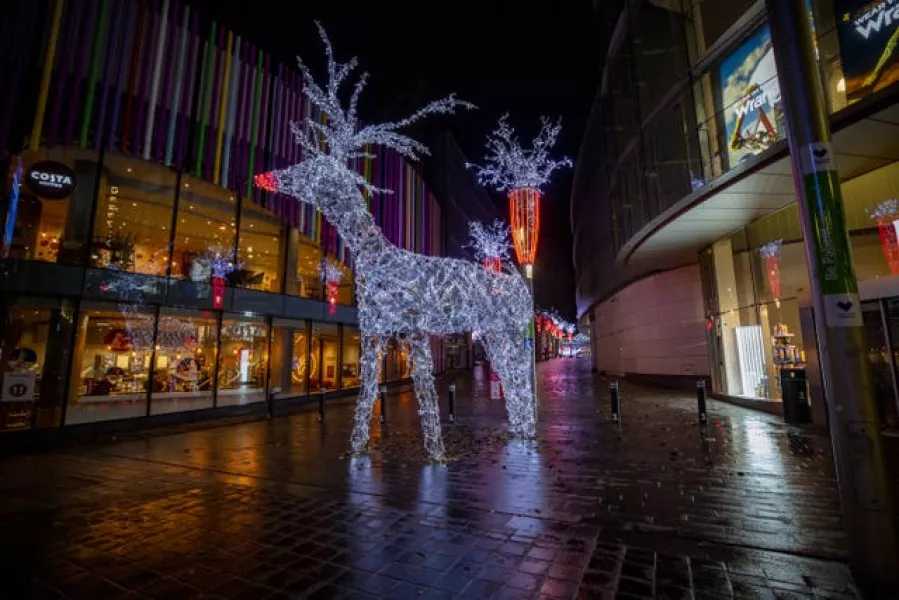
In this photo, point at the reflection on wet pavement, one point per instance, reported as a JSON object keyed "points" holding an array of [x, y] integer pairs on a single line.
{"points": [[654, 508]]}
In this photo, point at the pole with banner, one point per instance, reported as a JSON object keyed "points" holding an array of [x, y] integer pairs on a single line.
{"points": [[851, 404]]}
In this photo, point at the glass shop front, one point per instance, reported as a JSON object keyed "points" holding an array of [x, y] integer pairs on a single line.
{"points": [[136, 325], [756, 286]]}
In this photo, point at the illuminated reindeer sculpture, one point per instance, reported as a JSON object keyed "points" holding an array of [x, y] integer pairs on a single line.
{"points": [[399, 293]]}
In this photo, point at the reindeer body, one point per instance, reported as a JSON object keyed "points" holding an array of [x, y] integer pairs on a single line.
{"points": [[412, 296], [400, 293]]}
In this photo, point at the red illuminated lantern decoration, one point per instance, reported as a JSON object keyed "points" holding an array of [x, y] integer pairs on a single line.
{"points": [[886, 214], [218, 292], [524, 208], [332, 297], [771, 254]]}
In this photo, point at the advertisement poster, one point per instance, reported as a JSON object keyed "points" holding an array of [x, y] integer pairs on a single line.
{"points": [[750, 99], [869, 36]]}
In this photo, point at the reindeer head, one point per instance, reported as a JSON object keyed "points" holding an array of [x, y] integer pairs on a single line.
{"points": [[329, 143]]}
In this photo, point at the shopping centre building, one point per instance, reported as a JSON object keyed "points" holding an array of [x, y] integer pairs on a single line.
{"points": [[687, 243], [144, 277]]}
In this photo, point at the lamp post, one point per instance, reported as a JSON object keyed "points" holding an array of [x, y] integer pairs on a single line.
{"points": [[522, 173]]}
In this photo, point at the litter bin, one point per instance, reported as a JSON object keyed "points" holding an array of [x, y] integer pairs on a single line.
{"points": [[795, 396]]}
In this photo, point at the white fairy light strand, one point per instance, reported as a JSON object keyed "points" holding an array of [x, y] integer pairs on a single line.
{"points": [[885, 209], [490, 242], [511, 167], [399, 293], [771, 249], [331, 271]]}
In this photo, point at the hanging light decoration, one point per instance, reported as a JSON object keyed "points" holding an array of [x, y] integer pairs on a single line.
{"points": [[522, 174], [331, 275], [886, 214]]}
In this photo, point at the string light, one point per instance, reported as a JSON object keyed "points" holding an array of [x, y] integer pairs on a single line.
{"points": [[510, 167], [399, 293], [490, 242]]}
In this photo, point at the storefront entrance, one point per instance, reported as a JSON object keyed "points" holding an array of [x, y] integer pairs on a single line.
{"points": [[881, 319]]}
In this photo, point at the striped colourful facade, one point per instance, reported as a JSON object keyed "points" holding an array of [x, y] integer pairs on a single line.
{"points": [[153, 79]]}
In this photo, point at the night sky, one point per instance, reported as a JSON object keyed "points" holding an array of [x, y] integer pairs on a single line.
{"points": [[538, 60]]}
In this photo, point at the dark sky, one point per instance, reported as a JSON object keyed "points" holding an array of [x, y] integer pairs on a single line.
{"points": [[526, 58]]}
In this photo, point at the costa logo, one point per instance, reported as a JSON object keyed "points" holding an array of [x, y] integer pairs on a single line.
{"points": [[50, 180]]}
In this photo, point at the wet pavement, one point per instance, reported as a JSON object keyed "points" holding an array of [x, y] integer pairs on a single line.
{"points": [[277, 509]]}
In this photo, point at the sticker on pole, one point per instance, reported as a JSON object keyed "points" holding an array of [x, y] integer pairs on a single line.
{"points": [[817, 157], [842, 310], [18, 386]]}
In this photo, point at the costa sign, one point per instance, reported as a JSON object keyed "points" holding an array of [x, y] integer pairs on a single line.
{"points": [[51, 180]]}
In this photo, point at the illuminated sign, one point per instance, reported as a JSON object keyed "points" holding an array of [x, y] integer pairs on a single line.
{"points": [[750, 98], [869, 36], [50, 180]]}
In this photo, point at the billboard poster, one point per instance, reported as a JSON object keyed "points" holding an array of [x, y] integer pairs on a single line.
{"points": [[750, 99], [869, 35]]}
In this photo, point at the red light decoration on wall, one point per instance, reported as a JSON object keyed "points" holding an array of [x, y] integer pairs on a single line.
{"points": [[524, 208], [332, 297], [218, 292], [493, 264], [887, 228], [771, 253], [886, 214]]}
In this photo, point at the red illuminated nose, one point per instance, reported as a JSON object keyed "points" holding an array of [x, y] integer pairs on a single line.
{"points": [[267, 182]]}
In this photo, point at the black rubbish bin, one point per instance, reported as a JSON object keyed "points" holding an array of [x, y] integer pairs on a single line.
{"points": [[795, 395]]}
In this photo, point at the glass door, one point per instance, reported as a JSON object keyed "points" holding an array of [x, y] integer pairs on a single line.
{"points": [[880, 356], [889, 411]]}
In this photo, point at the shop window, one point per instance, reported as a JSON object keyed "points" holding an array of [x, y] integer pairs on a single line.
{"points": [[111, 362], [186, 353], [46, 226], [352, 349], [397, 363], [325, 362], [783, 337], [261, 248], [133, 220], [26, 332], [744, 348], [307, 282], [205, 231], [710, 19], [291, 363], [244, 360]]}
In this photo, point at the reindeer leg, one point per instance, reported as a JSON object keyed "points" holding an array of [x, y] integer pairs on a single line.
{"points": [[369, 367], [421, 364], [509, 358]]}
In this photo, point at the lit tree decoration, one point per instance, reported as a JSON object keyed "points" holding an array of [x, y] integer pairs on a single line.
{"points": [[331, 275], [490, 243], [399, 293]]}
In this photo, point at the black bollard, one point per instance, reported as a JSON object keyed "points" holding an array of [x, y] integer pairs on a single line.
{"points": [[321, 407], [452, 402], [616, 402], [383, 404], [700, 400]]}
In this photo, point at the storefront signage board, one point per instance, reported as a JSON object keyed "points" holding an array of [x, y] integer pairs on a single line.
{"points": [[18, 386], [869, 44], [50, 180], [750, 98]]}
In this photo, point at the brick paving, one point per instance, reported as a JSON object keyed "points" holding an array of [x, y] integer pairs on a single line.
{"points": [[276, 509]]}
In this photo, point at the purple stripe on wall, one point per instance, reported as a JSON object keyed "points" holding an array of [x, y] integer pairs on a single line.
{"points": [[64, 60], [169, 69], [75, 101], [121, 70], [108, 75], [215, 103], [242, 112], [143, 88], [187, 98]]}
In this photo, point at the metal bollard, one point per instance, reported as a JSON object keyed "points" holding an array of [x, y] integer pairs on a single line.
{"points": [[452, 402], [321, 407], [700, 400], [616, 402], [383, 404]]}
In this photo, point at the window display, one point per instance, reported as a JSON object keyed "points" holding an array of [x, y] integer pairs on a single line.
{"points": [[206, 221], [290, 361], [352, 348], [186, 353], [261, 246], [26, 333], [244, 360], [324, 359]]}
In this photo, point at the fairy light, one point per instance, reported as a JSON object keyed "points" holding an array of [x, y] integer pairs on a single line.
{"points": [[331, 275], [490, 243], [399, 293]]}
